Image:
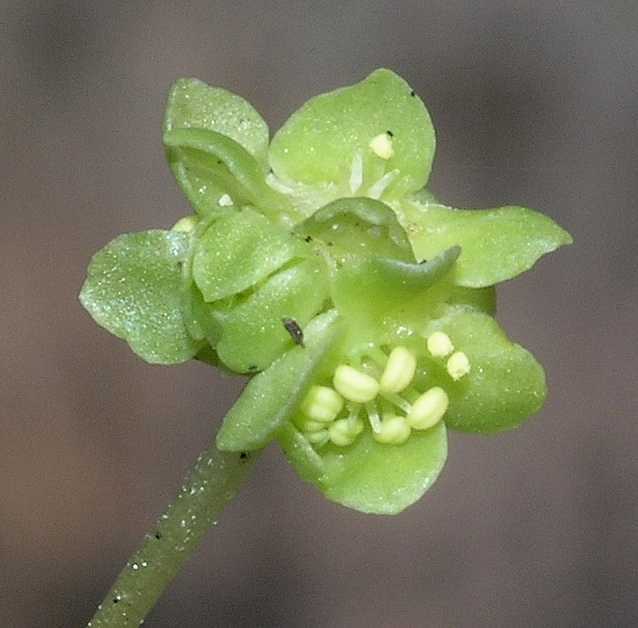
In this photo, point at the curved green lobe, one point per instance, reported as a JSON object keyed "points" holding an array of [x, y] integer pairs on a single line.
{"points": [[220, 156], [497, 244], [367, 476], [133, 289], [358, 227], [204, 181], [368, 291], [271, 397]]}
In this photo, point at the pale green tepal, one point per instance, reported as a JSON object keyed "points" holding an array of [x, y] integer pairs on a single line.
{"points": [[319, 265]]}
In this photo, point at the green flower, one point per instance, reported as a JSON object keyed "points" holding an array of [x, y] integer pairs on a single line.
{"points": [[320, 265]]}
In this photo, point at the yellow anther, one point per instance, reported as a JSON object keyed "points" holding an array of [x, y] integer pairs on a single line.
{"points": [[394, 431], [355, 385], [322, 404], [439, 344], [399, 370], [186, 224], [381, 146], [225, 200], [458, 365], [344, 433], [428, 409]]}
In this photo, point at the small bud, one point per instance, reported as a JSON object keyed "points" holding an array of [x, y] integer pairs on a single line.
{"points": [[355, 385], [343, 432], [309, 425], [318, 438], [381, 146], [186, 224], [322, 404], [399, 370], [458, 365], [428, 409], [394, 431], [439, 344]]}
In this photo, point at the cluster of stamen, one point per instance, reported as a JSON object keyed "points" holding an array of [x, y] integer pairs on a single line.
{"points": [[379, 388]]}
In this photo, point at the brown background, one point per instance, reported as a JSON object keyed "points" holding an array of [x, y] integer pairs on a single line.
{"points": [[534, 103]]}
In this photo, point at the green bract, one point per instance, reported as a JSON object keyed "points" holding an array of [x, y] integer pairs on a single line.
{"points": [[322, 267]]}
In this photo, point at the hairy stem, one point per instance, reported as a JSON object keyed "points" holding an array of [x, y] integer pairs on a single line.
{"points": [[213, 481]]}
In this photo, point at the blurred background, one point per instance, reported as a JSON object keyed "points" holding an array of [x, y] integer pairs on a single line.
{"points": [[535, 103]]}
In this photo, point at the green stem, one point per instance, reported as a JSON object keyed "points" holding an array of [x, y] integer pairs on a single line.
{"points": [[213, 481]]}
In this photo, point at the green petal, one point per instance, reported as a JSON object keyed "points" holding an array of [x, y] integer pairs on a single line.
{"points": [[199, 316], [358, 227], [271, 397], [497, 244], [319, 143], [370, 292], [505, 385], [253, 333], [193, 104], [133, 289], [239, 250], [211, 154], [367, 476]]}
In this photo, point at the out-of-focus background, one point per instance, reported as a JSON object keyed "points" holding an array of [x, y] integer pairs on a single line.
{"points": [[535, 103]]}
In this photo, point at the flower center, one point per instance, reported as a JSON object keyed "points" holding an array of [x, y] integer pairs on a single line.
{"points": [[380, 388]]}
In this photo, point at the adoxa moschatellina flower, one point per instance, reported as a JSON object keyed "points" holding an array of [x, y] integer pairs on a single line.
{"points": [[318, 264]]}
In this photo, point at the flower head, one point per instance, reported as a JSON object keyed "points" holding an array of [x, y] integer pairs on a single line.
{"points": [[320, 265]]}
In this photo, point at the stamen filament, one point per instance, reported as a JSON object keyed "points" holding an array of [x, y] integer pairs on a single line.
{"points": [[373, 416], [353, 414], [378, 355], [356, 174], [379, 187], [397, 400]]}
